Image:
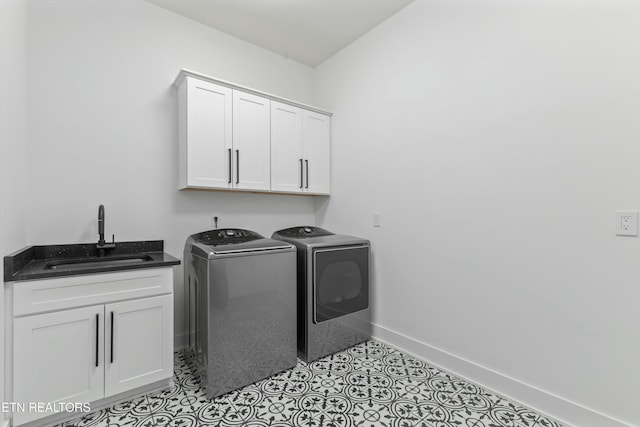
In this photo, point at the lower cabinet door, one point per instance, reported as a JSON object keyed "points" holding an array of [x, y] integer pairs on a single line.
{"points": [[138, 343], [57, 358]]}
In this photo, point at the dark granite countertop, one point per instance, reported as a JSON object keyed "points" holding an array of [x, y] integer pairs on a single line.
{"points": [[41, 262]]}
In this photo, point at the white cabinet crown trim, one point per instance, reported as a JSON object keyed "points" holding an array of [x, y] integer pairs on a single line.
{"points": [[188, 73]]}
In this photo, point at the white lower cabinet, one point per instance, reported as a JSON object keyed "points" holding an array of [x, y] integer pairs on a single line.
{"points": [[58, 357], [138, 343], [90, 353]]}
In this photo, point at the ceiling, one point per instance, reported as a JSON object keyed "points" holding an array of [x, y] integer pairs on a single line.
{"points": [[308, 31]]}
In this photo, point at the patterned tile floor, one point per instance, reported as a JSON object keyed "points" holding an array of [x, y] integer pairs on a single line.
{"points": [[368, 385]]}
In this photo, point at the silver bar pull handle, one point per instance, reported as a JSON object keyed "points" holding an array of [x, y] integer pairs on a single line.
{"points": [[237, 166], [307, 164], [301, 173], [97, 337], [112, 337], [230, 165]]}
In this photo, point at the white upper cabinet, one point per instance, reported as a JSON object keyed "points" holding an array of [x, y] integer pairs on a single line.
{"points": [[224, 137], [316, 149], [287, 163], [205, 123], [300, 150], [236, 138], [251, 141]]}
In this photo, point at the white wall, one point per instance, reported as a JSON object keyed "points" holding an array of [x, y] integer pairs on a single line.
{"points": [[103, 124], [497, 138], [13, 127], [508, 132], [13, 139]]}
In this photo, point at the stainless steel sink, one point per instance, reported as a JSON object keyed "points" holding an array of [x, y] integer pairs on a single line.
{"points": [[82, 263]]}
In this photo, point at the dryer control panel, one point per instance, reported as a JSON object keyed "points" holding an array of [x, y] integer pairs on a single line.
{"points": [[303, 232]]}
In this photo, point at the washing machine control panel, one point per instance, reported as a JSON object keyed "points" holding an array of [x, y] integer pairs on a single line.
{"points": [[226, 236]]}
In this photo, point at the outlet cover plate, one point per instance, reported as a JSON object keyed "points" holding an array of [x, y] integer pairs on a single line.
{"points": [[626, 223], [376, 219]]}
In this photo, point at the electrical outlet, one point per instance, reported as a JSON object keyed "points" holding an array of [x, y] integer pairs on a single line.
{"points": [[626, 223], [376, 219]]}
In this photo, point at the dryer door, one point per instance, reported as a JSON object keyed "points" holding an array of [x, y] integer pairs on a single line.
{"points": [[340, 281]]}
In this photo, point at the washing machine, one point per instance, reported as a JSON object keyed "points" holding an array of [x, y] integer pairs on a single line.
{"points": [[240, 292], [333, 290]]}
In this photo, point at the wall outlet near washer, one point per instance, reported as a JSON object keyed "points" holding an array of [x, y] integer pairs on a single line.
{"points": [[376, 219], [626, 223]]}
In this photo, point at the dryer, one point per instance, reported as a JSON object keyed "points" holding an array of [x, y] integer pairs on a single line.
{"points": [[333, 290]]}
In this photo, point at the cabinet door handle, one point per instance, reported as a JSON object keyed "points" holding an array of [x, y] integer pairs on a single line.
{"points": [[237, 166], [301, 173], [112, 337], [230, 155], [97, 337], [307, 164]]}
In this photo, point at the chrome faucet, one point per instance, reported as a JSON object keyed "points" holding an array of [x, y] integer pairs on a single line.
{"points": [[102, 245]]}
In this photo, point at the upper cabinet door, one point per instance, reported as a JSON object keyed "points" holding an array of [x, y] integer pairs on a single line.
{"points": [[58, 357], [251, 142], [287, 163], [208, 143], [316, 149]]}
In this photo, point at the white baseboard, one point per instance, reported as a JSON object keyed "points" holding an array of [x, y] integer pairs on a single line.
{"points": [[565, 411]]}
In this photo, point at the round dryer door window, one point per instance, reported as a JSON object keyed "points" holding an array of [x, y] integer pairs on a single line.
{"points": [[340, 281]]}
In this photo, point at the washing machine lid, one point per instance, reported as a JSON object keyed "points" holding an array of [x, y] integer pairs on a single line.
{"points": [[231, 241], [304, 237], [302, 232]]}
